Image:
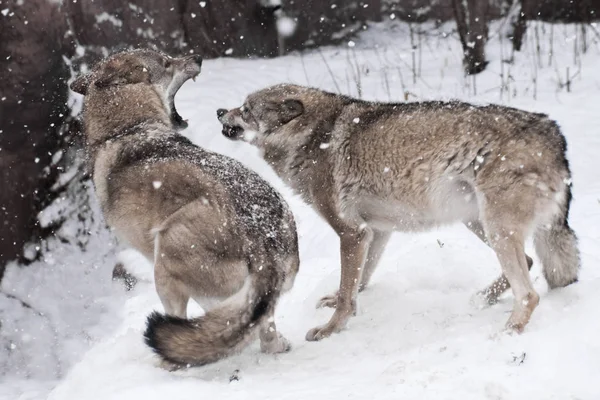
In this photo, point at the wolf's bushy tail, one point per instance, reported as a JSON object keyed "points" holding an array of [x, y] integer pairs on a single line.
{"points": [[556, 245], [221, 331]]}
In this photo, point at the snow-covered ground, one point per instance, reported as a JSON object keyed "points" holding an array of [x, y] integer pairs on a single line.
{"points": [[416, 335]]}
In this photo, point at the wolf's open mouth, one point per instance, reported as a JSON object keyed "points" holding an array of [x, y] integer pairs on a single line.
{"points": [[178, 122], [232, 132], [176, 119]]}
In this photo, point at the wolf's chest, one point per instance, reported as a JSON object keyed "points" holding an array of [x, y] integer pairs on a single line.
{"points": [[101, 177]]}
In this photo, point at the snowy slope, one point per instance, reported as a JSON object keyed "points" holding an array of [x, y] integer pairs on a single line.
{"points": [[416, 335]]}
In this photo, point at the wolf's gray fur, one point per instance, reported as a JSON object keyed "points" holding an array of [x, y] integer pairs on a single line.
{"points": [[372, 168], [215, 230]]}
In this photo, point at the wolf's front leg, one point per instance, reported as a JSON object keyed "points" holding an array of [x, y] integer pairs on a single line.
{"points": [[354, 248], [376, 248]]}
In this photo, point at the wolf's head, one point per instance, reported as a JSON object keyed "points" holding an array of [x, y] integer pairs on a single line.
{"points": [[263, 113], [158, 71]]}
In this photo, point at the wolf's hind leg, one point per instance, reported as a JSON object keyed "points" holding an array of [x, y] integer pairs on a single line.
{"points": [[172, 293], [505, 224], [271, 341], [492, 292], [510, 251]]}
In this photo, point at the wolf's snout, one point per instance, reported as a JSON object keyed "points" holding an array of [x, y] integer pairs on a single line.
{"points": [[189, 65], [230, 130], [198, 60]]}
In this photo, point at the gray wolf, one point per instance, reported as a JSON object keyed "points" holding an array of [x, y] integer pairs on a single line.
{"points": [[216, 232], [372, 168]]}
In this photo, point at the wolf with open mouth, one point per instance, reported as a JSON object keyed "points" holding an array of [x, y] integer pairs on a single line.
{"points": [[371, 168], [216, 232]]}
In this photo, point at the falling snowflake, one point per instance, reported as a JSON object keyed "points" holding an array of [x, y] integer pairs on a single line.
{"points": [[286, 26]]}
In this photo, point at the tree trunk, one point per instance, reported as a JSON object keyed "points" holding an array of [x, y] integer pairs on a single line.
{"points": [[520, 25], [471, 21], [33, 100]]}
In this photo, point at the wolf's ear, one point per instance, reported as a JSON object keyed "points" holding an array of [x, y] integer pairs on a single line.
{"points": [[81, 84], [122, 72], [290, 109]]}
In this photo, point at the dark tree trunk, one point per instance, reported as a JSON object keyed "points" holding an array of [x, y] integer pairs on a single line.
{"points": [[33, 95], [520, 25], [471, 21]]}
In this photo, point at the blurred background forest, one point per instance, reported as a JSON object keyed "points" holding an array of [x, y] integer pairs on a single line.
{"points": [[43, 43]]}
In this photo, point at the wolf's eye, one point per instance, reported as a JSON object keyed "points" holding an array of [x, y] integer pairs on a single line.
{"points": [[244, 110], [167, 63]]}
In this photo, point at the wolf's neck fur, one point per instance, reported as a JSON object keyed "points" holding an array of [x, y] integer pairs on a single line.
{"points": [[299, 156], [110, 111]]}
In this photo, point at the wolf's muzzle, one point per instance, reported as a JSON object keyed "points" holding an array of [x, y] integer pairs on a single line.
{"points": [[232, 132], [229, 131]]}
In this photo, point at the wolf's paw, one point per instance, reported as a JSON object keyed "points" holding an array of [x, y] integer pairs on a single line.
{"points": [[278, 344], [483, 299], [513, 327], [169, 366], [478, 301], [503, 333], [328, 301], [521, 313], [121, 274], [318, 333], [336, 324]]}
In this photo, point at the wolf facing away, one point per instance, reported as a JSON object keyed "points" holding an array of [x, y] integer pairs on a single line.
{"points": [[217, 232], [372, 168]]}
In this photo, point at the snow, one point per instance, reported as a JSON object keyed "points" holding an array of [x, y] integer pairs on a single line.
{"points": [[71, 304], [102, 17], [416, 335], [286, 26]]}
